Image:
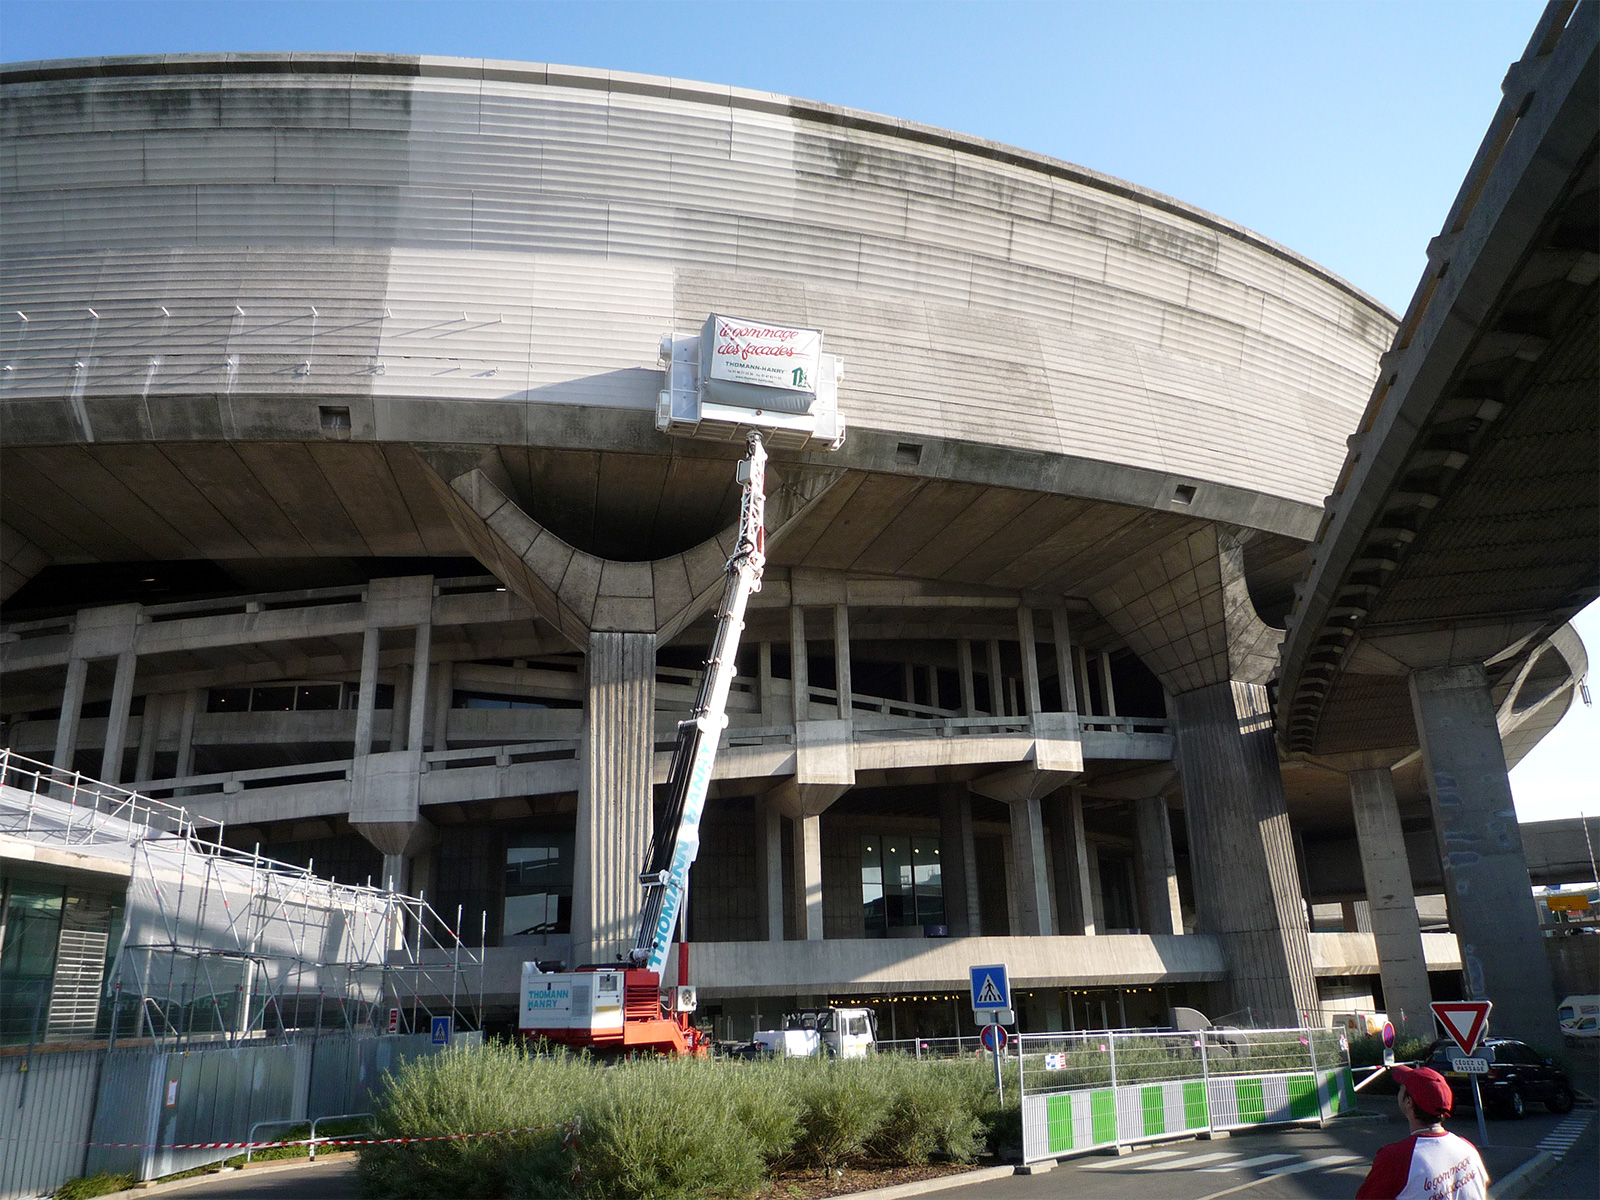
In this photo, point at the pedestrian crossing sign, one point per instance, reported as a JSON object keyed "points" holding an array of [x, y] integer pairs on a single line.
{"points": [[991, 989]]}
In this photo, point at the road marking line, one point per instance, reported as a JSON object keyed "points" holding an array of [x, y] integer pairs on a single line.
{"points": [[1250, 1162], [1122, 1162], [1188, 1161], [1326, 1161]]}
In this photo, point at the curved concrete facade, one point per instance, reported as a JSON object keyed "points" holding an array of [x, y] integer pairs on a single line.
{"points": [[333, 378], [417, 230]]}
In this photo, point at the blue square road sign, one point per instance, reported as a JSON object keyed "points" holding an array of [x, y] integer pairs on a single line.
{"points": [[441, 1031], [990, 987]]}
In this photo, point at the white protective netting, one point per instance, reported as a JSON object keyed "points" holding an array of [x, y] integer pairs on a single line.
{"points": [[205, 925]]}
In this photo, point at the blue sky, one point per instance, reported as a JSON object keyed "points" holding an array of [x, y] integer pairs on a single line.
{"points": [[1341, 129]]}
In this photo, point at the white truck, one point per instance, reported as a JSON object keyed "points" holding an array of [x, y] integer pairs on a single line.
{"points": [[812, 1032]]}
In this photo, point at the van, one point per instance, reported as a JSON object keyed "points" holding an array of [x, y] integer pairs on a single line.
{"points": [[1580, 1018]]}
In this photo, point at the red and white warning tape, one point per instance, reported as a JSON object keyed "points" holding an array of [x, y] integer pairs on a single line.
{"points": [[568, 1139]]}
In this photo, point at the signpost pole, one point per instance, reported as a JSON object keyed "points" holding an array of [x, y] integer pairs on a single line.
{"points": [[999, 1082], [1477, 1105]]}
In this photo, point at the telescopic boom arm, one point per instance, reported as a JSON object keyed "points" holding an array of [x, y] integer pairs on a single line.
{"points": [[676, 841]]}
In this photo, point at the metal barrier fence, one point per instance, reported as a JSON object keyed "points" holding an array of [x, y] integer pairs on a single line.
{"points": [[1088, 1091], [124, 1109], [937, 1047]]}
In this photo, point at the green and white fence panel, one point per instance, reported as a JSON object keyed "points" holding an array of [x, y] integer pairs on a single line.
{"points": [[1059, 1121]]}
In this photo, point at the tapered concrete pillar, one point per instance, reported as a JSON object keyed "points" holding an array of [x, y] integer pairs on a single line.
{"points": [[117, 721], [71, 713], [1485, 872], [615, 813], [808, 877], [1032, 882], [416, 713], [955, 860], [1160, 909], [1391, 902], [186, 720], [367, 691], [1247, 889], [443, 688], [1074, 881], [772, 869]]}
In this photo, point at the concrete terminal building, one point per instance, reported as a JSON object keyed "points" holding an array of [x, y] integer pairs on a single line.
{"points": [[334, 506]]}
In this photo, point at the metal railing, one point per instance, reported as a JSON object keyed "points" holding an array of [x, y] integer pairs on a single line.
{"points": [[92, 805]]}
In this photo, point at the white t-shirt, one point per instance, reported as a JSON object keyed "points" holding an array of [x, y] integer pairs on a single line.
{"points": [[1427, 1166]]}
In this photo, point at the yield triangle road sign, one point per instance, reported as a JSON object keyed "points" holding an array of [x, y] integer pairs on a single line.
{"points": [[1463, 1020]]}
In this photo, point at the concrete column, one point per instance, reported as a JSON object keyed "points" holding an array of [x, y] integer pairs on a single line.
{"points": [[1028, 868], [191, 709], [71, 713], [841, 658], [1485, 871], [1030, 658], [1097, 893], [1074, 882], [1106, 685], [117, 724], [367, 692], [1247, 889], [443, 697], [969, 690], [417, 723], [1158, 872], [799, 666], [764, 681], [808, 877], [955, 860], [772, 869], [1062, 629], [615, 812], [155, 709], [997, 683], [1391, 902], [1081, 657]]}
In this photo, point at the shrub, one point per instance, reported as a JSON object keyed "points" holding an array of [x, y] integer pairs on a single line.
{"points": [[927, 1115]]}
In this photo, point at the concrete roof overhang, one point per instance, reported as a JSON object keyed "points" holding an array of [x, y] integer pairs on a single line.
{"points": [[1464, 527]]}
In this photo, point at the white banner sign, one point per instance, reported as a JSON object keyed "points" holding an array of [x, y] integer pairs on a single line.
{"points": [[765, 355]]}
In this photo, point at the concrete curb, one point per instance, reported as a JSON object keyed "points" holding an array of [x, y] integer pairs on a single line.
{"points": [[923, 1186], [267, 1168], [1521, 1181]]}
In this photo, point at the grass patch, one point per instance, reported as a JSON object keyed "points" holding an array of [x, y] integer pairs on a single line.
{"points": [[86, 1186]]}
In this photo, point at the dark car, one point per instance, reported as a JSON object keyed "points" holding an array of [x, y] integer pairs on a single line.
{"points": [[1517, 1075]]}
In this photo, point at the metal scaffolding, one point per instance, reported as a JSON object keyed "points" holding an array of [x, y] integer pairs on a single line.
{"points": [[221, 944]]}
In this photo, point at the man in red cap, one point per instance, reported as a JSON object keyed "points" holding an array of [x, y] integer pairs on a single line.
{"points": [[1431, 1164]]}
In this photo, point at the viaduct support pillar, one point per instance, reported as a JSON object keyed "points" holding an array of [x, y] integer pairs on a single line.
{"points": [[615, 813], [956, 861], [1391, 903], [1485, 872], [1247, 889]]}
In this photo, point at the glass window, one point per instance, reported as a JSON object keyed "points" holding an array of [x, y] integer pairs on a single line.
{"points": [[902, 886], [317, 697], [228, 700], [272, 699], [32, 933], [538, 886], [877, 924], [928, 881]]}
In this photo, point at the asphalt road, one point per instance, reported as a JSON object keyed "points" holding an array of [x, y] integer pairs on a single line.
{"points": [[1319, 1164]]}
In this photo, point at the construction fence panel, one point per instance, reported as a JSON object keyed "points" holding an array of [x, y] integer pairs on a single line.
{"points": [[346, 1073], [1083, 1092], [47, 1102]]}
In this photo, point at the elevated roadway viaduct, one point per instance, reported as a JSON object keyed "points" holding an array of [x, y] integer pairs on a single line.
{"points": [[1464, 531]]}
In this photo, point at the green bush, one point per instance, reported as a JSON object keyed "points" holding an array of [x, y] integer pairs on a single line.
{"points": [[670, 1127], [88, 1186]]}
